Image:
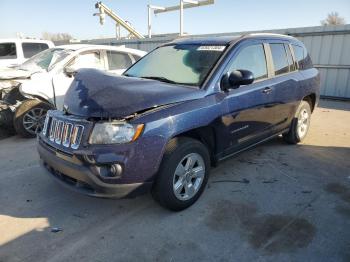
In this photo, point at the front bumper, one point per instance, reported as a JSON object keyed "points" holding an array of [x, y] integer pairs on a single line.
{"points": [[73, 173]]}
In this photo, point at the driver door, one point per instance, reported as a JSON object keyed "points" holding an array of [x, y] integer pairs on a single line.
{"points": [[249, 109], [61, 81]]}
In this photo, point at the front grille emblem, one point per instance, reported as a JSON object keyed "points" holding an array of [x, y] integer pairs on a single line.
{"points": [[65, 109]]}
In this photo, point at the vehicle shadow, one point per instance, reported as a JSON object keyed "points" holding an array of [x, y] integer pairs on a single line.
{"points": [[246, 197], [35, 211], [5, 133]]}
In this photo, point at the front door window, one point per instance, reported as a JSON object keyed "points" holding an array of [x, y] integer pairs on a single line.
{"points": [[251, 58]]}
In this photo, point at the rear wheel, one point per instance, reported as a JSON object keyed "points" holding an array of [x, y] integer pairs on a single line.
{"points": [[30, 116], [183, 174], [300, 124]]}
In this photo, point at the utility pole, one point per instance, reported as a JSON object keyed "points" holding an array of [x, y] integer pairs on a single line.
{"points": [[151, 8], [183, 4], [181, 17]]}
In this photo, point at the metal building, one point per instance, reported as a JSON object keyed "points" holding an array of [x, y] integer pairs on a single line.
{"points": [[329, 47]]}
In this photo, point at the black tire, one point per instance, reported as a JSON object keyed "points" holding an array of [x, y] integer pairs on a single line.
{"points": [[176, 150], [21, 115], [294, 136], [6, 117]]}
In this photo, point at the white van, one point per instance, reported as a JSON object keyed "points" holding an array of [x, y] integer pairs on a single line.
{"points": [[15, 51]]}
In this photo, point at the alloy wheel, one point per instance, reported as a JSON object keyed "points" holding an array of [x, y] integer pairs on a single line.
{"points": [[33, 120], [303, 123], [188, 177]]}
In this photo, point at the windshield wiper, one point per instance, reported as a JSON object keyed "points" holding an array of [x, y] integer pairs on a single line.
{"points": [[160, 78], [127, 75]]}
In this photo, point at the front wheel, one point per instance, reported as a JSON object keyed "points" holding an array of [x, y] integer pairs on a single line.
{"points": [[183, 174], [30, 116], [300, 124]]}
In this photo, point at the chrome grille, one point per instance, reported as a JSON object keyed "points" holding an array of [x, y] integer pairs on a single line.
{"points": [[63, 132]]}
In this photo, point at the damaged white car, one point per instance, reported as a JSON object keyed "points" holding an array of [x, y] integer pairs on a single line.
{"points": [[28, 91]]}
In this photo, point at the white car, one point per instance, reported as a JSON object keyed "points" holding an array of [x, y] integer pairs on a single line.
{"points": [[40, 83], [14, 51]]}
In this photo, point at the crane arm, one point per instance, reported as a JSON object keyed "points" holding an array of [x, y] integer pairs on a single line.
{"points": [[105, 10]]}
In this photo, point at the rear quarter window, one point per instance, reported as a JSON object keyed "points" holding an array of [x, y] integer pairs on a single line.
{"points": [[8, 51], [303, 60], [136, 57], [31, 49], [118, 60]]}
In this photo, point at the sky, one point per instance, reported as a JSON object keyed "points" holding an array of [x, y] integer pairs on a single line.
{"points": [[33, 17]]}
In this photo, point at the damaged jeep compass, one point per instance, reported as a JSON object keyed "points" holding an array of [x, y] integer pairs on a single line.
{"points": [[175, 113]]}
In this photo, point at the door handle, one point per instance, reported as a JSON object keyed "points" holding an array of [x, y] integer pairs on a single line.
{"points": [[267, 90]]}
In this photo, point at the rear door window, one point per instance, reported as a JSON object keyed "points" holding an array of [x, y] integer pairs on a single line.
{"points": [[118, 60], [8, 51], [279, 57], [30, 49], [251, 58], [87, 60]]}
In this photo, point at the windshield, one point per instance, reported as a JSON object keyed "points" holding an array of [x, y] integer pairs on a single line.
{"points": [[45, 60], [179, 64]]}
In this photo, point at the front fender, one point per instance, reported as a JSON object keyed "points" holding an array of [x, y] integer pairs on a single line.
{"points": [[39, 86], [163, 125]]}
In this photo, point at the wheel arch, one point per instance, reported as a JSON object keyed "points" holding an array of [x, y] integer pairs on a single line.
{"points": [[311, 99], [205, 135], [43, 99]]}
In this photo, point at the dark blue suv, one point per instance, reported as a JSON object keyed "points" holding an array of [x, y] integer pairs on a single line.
{"points": [[175, 113]]}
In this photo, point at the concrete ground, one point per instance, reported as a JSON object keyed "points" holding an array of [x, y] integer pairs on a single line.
{"points": [[292, 204]]}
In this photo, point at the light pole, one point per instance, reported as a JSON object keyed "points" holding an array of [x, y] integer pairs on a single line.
{"points": [[182, 13], [182, 5], [150, 12]]}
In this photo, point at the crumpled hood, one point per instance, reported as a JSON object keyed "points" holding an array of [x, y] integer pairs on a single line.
{"points": [[13, 73], [95, 93]]}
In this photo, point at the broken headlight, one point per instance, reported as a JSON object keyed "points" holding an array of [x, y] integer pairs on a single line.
{"points": [[115, 133]]}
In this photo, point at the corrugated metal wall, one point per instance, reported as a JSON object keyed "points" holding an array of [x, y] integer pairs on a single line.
{"points": [[329, 48]]}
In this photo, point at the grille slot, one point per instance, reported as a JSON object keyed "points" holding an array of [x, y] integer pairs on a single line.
{"points": [[68, 127], [76, 137], [46, 123], [67, 134], [58, 133], [52, 130]]}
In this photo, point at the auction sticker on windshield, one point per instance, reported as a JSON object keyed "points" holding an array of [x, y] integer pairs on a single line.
{"points": [[211, 48]]}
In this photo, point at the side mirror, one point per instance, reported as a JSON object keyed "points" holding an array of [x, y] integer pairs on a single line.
{"points": [[69, 71], [236, 78]]}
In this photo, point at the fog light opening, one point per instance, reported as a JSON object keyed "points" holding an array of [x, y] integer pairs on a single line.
{"points": [[112, 171], [116, 170]]}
